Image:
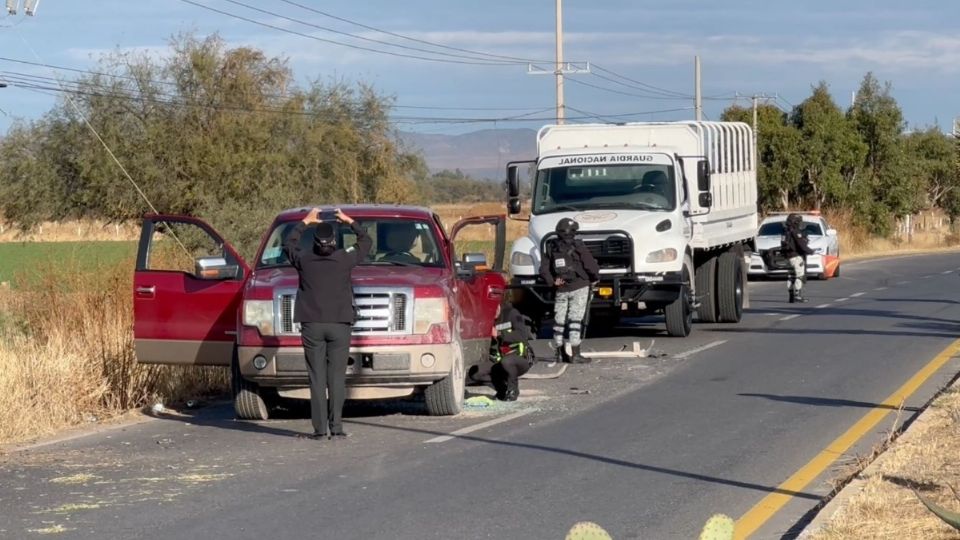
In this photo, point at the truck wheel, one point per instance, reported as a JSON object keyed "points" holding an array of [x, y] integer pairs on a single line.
{"points": [[445, 397], [730, 287], [706, 290], [678, 313], [248, 397]]}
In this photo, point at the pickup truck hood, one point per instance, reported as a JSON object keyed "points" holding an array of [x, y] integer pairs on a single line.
{"points": [[363, 276], [770, 242]]}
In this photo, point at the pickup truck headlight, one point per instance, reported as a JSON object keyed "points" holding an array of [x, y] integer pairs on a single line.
{"points": [[662, 256], [519, 258], [428, 312], [259, 313]]}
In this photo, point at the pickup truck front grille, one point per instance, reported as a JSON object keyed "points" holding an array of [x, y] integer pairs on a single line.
{"points": [[379, 311]]}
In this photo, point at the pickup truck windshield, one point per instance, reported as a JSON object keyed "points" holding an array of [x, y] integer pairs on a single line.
{"points": [[396, 242], [643, 187]]}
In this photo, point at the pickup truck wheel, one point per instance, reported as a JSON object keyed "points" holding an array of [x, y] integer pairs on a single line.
{"points": [[248, 397], [706, 290], [730, 287], [445, 397], [678, 313]]}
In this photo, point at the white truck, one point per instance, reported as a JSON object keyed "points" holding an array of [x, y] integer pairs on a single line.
{"points": [[668, 209]]}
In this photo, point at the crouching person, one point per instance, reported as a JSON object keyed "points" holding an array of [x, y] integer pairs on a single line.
{"points": [[510, 354]]}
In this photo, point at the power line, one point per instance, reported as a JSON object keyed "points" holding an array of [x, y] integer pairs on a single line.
{"points": [[355, 36], [401, 36], [349, 45], [658, 89]]}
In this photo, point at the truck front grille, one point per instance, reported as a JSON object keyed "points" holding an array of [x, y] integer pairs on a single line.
{"points": [[612, 252], [379, 311]]}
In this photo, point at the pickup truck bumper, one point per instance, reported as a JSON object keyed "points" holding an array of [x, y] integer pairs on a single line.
{"points": [[652, 289], [373, 366]]}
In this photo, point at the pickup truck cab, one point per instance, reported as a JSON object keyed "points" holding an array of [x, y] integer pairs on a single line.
{"points": [[423, 318]]}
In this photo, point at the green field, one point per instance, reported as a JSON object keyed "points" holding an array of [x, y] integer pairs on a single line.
{"points": [[32, 257]]}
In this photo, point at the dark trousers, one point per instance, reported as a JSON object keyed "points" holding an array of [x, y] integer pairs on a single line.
{"points": [[502, 374], [327, 347]]}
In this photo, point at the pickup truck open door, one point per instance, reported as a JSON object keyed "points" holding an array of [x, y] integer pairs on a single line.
{"points": [[481, 283], [187, 290]]}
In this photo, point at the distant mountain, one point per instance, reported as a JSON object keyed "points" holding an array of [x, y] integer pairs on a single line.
{"points": [[481, 154]]}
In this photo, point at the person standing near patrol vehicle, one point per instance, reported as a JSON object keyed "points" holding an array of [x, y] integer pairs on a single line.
{"points": [[325, 311], [571, 269], [795, 247]]}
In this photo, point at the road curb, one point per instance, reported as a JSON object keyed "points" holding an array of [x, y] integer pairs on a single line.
{"points": [[838, 501]]}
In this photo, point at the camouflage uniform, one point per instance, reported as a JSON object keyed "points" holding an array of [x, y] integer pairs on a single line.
{"points": [[570, 306]]}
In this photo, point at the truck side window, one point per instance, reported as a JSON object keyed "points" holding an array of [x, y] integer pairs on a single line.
{"points": [[175, 247]]}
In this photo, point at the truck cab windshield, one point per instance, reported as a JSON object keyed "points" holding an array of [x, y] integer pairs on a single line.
{"points": [[396, 242], [645, 187]]}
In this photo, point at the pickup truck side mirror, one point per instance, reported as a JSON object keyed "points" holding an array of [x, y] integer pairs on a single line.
{"points": [[214, 268]]}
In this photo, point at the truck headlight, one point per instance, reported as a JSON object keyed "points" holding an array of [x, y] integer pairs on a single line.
{"points": [[519, 258], [428, 312], [259, 313], [662, 256]]}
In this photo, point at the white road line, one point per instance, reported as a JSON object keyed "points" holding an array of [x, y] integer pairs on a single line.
{"points": [[854, 295], [842, 299], [926, 277], [821, 306], [692, 352], [477, 427], [790, 317], [881, 288], [902, 282], [947, 272]]}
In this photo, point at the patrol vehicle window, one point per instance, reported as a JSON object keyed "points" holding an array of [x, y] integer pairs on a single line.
{"points": [[399, 242], [175, 247], [644, 187]]}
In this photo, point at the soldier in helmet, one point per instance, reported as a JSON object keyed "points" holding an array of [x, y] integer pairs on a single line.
{"points": [[571, 269], [795, 248]]}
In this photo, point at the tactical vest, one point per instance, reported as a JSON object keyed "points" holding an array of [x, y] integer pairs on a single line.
{"points": [[564, 260]]}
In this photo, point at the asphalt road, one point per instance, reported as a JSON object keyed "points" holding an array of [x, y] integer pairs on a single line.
{"points": [[649, 448]]}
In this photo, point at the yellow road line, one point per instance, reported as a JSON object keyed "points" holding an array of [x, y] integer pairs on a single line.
{"points": [[772, 503]]}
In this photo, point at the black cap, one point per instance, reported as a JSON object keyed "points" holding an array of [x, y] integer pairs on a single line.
{"points": [[325, 234]]}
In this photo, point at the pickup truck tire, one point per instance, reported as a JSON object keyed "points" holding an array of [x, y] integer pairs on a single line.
{"points": [[730, 287], [678, 313], [445, 397], [706, 290], [248, 398]]}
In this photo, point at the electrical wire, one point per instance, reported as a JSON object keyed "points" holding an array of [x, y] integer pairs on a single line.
{"points": [[401, 36], [349, 45]]}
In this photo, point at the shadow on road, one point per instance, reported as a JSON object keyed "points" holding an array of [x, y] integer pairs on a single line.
{"points": [[605, 460], [828, 402]]}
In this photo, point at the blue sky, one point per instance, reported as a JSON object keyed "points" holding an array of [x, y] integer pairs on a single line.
{"points": [[745, 46]]}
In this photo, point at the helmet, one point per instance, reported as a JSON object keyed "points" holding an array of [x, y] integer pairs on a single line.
{"points": [[794, 220], [567, 226]]}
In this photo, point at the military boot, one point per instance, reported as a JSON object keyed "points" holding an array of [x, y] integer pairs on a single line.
{"points": [[793, 296], [577, 358], [798, 298]]}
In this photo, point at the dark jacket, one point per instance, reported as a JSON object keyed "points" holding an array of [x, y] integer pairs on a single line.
{"points": [[570, 261], [794, 243], [513, 334], [325, 294]]}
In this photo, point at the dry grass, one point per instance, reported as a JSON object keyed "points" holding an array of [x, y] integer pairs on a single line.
{"points": [[926, 459], [70, 231], [67, 351], [856, 242]]}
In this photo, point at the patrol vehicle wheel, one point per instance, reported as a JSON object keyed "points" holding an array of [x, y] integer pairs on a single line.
{"points": [[706, 291], [248, 397], [678, 313], [730, 287], [445, 397]]}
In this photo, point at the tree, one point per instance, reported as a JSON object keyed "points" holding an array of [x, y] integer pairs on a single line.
{"points": [[932, 161], [778, 149], [831, 152]]}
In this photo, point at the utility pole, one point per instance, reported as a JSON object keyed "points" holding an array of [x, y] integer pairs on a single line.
{"points": [[697, 97], [561, 112], [560, 67]]}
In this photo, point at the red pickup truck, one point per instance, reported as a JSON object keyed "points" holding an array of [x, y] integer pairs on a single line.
{"points": [[422, 319]]}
